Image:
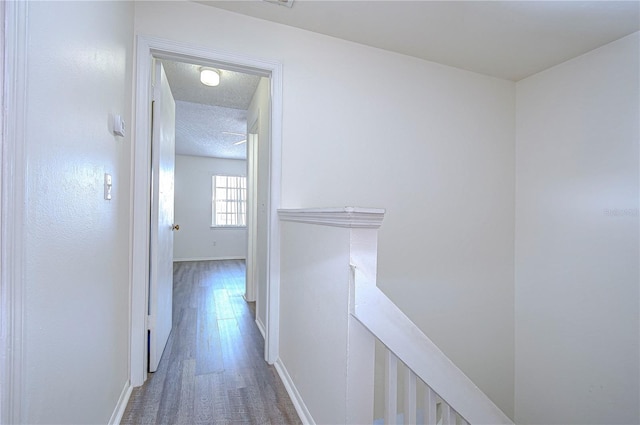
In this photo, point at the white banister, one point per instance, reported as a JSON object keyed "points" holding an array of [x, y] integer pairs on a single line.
{"points": [[410, 383], [350, 217], [401, 336], [448, 415], [331, 314], [326, 355], [391, 389], [430, 407]]}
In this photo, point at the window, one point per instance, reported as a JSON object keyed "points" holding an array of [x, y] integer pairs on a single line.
{"points": [[228, 201]]}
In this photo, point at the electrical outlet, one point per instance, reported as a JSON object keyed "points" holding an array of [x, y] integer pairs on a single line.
{"points": [[215, 243]]}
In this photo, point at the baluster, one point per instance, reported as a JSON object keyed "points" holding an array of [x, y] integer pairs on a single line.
{"points": [[448, 415], [430, 407], [409, 397], [391, 393]]}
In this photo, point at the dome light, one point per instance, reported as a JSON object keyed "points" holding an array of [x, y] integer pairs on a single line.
{"points": [[209, 76]]}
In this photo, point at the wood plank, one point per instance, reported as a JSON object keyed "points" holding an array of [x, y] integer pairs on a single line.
{"points": [[246, 403], [208, 346], [222, 309], [213, 369], [204, 399], [211, 403], [185, 333], [170, 396], [185, 413], [234, 354], [280, 410]]}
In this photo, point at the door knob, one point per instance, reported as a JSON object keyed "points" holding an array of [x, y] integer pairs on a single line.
{"points": [[175, 227]]}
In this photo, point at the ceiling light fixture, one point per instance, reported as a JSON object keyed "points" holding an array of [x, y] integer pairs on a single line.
{"points": [[209, 76]]}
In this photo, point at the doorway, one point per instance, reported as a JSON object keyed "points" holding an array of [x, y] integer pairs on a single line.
{"points": [[147, 50], [211, 178]]}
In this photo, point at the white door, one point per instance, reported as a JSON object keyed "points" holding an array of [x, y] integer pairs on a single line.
{"points": [[252, 213], [162, 226]]}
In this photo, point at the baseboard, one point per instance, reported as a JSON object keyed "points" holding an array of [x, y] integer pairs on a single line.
{"points": [[116, 417], [178, 260], [261, 328], [294, 395]]}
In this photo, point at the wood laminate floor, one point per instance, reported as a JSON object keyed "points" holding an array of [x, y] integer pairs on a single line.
{"points": [[212, 370]]}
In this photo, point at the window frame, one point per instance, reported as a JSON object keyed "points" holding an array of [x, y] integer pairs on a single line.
{"points": [[240, 204]]}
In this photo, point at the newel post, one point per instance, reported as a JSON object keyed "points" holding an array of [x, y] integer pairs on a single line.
{"points": [[327, 352], [360, 342]]}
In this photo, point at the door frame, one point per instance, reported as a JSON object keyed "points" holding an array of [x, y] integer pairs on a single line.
{"points": [[251, 291], [153, 47], [13, 98]]}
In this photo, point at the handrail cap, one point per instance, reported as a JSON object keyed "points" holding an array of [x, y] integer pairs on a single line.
{"points": [[350, 217]]}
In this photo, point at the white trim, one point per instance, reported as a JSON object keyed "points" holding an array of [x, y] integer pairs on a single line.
{"points": [[14, 91], [236, 202], [260, 326], [250, 293], [140, 213], [146, 48], [179, 260], [406, 341], [294, 395], [116, 416], [272, 313], [350, 217], [228, 227]]}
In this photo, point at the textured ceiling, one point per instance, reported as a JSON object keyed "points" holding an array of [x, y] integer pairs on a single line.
{"points": [[206, 115], [505, 39], [235, 90], [203, 130]]}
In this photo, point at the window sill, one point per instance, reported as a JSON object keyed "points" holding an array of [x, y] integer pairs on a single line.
{"points": [[229, 227]]}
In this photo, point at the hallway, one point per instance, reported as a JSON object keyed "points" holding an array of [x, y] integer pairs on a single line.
{"points": [[213, 369]]}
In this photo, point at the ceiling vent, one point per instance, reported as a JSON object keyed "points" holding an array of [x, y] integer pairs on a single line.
{"points": [[287, 3]]}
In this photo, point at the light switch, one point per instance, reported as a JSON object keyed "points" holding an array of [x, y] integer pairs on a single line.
{"points": [[118, 126], [107, 186]]}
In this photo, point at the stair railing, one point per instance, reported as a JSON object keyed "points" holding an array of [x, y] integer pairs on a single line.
{"points": [[445, 385], [332, 313]]}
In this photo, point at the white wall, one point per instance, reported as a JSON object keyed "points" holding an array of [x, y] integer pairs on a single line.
{"points": [[76, 245], [432, 144], [196, 239], [4, 311], [260, 109], [577, 240], [313, 315]]}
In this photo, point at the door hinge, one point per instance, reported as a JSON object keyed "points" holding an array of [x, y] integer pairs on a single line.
{"points": [[149, 322]]}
